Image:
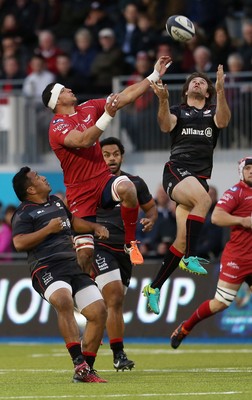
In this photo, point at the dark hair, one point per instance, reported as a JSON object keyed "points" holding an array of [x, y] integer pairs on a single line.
{"points": [[113, 140], [46, 95], [21, 182], [211, 89]]}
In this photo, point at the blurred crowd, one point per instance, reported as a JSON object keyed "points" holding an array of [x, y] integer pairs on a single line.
{"points": [[83, 44]]}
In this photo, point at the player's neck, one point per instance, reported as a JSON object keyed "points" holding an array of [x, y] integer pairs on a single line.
{"points": [[196, 102], [66, 110]]}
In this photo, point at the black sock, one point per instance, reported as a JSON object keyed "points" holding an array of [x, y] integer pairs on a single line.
{"points": [[170, 263], [193, 227], [75, 352], [116, 347]]}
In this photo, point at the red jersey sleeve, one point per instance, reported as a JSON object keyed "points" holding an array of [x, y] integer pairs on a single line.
{"points": [[230, 199]]}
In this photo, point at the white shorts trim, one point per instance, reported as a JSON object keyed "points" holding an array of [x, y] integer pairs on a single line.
{"points": [[117, 181], [84, 242], [55, 286], [108, 277], [87, 296]]}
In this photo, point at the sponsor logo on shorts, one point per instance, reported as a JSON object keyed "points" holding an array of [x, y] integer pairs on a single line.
{"points": [[47, 278], [101, 263]]}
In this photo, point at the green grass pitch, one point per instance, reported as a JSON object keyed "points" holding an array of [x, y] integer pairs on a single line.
{"points": [[192, 372]]}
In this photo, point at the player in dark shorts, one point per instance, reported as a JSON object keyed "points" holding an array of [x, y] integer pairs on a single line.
{"points": [[42, 226], [232, 210], [113, 267], [194, 127]]}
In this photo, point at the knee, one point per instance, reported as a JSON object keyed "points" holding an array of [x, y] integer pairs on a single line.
{"points": [[85, 259], [63, 303], [205, 201], [115, 301], [101, 312], [224, 297], [127, 191]]}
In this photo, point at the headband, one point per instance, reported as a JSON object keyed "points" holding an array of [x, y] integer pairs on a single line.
{"points": [[55, 95], [242, 163]]}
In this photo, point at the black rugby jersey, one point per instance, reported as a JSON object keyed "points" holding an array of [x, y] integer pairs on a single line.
{"points": [[31, 217], [194, 138], [111, 218]]}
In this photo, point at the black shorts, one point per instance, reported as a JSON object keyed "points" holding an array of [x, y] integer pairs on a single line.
{"points": [[68, 271], [174, 173], [111, 260]]}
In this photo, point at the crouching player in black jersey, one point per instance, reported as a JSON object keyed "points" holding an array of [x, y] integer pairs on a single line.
{"points": [[112, 267], [42, 226], [194, 127]]}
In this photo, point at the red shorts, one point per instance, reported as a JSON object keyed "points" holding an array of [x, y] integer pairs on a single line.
{"points": [[84, 198], [234, 270]]}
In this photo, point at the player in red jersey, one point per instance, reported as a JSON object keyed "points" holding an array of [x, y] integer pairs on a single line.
{"points": [[73, 134], [232, 210]]}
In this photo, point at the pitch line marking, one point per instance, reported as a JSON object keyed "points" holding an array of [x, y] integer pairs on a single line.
{"points": [[109, 396]]}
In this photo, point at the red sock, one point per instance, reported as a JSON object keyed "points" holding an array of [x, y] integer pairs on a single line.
{"points": [[202, 312], [129, 217]]}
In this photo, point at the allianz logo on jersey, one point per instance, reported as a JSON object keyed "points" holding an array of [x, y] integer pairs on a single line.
{"points": [[198, 132]]}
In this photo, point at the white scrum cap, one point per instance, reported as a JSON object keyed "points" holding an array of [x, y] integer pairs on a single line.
{"points": [[241, 164]]}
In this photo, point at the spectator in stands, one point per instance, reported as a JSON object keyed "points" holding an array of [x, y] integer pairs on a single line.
{"points": [[67, 76], [10, 47], [27, 14], [11, 74], [5, 8], [239, 98], [48, 49], [70, 15], [139, 118], [221, 46], [199, 39], [33, 87], [246, 47], [36, 81], [211, 241], [10, 27], [203, 60], [108, 63], [83, 53], [206, 14], [97, 19], [235, 12], [127, 32], [6, 245], [148, 36], [166, 47]]}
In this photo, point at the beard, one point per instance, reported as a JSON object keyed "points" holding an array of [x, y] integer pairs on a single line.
{"points": [[249, 183]]}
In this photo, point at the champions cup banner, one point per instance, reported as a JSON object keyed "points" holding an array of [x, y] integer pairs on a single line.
{"points": [[24, 314]]}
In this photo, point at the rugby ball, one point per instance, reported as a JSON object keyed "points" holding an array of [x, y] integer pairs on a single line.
{"points": [[180, 28]]}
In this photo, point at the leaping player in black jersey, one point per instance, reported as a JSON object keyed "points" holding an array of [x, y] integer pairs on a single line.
{"points": [[194, 127], [113, 268], [41, 226]]}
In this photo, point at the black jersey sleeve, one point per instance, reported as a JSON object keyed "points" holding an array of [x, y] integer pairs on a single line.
{"points": [[143, 193], [22, 223]]}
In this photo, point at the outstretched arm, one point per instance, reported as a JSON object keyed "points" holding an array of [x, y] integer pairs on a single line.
{"points": [[166, 120], [223, 113], [132, 92]]}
